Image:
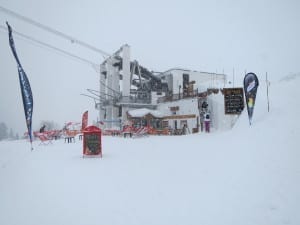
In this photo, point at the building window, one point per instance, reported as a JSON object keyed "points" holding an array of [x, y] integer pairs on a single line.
{"points": [[185, 84], [165, 124], [120, 111]]}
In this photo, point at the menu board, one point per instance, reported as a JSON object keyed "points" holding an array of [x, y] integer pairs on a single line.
{"points": [[233, 100], [92, 144]]}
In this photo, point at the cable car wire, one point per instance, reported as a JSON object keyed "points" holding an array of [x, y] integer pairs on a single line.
{"points": [[56, 32], [40, 43]]}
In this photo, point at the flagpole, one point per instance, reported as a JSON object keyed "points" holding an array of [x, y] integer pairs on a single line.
{"points": [[233, 78], [267, 82]]}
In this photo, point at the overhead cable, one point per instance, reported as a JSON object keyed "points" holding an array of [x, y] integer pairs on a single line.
{"points": [[40, 43], [95, 65], [56, 32]]}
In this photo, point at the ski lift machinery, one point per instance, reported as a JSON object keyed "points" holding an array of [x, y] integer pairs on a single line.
{"points": [[127, 85]]}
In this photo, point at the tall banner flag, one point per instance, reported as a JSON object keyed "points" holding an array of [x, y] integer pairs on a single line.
{"points": [[24, 85], [250, 89], [85, 119]]}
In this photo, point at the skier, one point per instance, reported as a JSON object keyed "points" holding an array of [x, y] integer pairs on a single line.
{"points": [[207, 122]]}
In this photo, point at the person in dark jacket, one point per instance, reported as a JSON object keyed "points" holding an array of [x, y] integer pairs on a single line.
{"points": [[184, 129], [202, 115], [42, 129], [207, 122]]}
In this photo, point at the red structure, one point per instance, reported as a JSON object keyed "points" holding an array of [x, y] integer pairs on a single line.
{"points": [[92, 145]]}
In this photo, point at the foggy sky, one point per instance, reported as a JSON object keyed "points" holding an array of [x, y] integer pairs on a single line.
{"points": [[213, 36]]}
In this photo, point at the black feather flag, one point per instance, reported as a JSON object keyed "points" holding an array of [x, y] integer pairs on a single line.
{"points": [[24, 85], [250, 89]]}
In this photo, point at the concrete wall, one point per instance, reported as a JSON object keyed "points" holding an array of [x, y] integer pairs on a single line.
{"points": [[186, 107], [219, 121]]}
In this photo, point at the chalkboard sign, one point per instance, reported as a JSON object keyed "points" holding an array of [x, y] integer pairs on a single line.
{"points": [[92, 144], [233, 100]]}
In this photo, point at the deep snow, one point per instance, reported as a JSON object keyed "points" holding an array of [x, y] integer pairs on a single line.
{"points": [[247, 175]]}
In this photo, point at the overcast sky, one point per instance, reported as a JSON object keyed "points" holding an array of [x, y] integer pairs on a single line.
{"points": [[213, 36]]}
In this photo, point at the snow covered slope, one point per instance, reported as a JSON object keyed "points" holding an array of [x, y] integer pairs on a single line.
{"points": [[248, 175]]}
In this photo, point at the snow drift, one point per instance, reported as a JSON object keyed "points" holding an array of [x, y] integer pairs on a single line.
{"points": [[248, 175]]}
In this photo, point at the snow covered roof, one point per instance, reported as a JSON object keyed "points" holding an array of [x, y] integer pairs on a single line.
{"points": [[143, 112]]}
